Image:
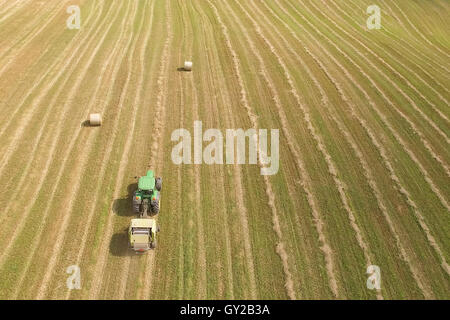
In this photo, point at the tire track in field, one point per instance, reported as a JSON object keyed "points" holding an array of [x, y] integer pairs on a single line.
{"points": [[212, 64], [403, 115], [230, 124], [27, 116], [137, 102], [412, 36], [9, 42], [200, 233], [383, 154], [36, 84], [7, 48], [60, 240], [33, 28], [399, 22], [283, 119], [419, 32], [13, 11], [80, 166], [53, 194], [45, 172], [359, 10], [160, 117], [181, 93], [357, 151], [380, 203], [109, 152], [41, 131], [444, 6], [394, 85], [181, 278], [12, 4], [29, 38], [253, 119], [311, 200], [410, 48], [441, 97], [179, 99], [320, 145], [280, 248], [108, 62], [394, 177], [277, 101], [5, 8], [126, 28], [268, 187], [32, 155], [162, 90], [202, 284], [412, 125], [340, 185], [408, 83], [381, 115]]}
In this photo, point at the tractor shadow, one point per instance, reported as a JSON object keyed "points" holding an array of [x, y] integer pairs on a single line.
{"points": [[118, 245], [124, 207]]}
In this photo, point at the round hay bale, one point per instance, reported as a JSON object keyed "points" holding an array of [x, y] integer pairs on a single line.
{"points": [[188, 65], [95, 119]]}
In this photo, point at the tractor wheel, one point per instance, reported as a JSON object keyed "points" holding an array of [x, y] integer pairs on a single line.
{"points": [[155, 206], [153, 244], [158, 184]]}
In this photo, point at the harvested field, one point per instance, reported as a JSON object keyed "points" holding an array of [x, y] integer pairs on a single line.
{"points": [[364, 148]]}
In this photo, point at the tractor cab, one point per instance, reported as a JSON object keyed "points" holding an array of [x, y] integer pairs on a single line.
{"points": [[148, 182], [146, 197]]}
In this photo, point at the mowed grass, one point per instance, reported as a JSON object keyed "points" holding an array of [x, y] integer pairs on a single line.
{"points": [[363, 117]]}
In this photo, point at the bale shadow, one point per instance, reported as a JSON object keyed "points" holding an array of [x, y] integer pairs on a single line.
{"points": [[86, 123], [182, 69], [119, 244], [124, 207]]}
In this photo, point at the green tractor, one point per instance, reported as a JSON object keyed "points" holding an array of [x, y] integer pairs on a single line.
{"points": [[146, 197], [142, 231]]}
